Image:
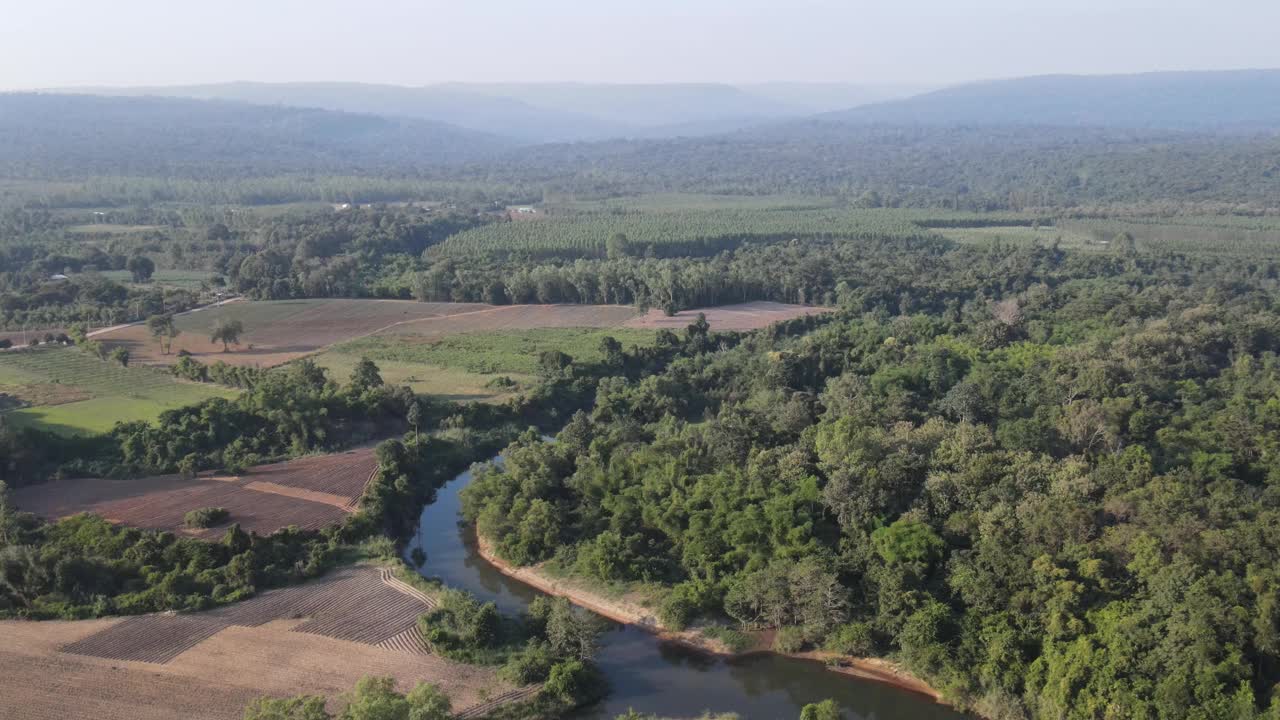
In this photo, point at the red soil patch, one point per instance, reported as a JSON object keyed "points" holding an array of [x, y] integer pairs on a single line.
{"points": [[310, 492], [744, 316]]}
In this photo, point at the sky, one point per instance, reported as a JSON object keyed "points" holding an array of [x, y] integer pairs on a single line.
{"points": [[59, 43]]}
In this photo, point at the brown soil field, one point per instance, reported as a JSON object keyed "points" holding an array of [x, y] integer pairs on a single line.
{"points": [[276, 332], [267, 645], [744, 316], [517, 317], [309, 492]]}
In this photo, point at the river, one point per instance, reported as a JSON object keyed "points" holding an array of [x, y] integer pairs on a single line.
{"points": [[653, 676]]}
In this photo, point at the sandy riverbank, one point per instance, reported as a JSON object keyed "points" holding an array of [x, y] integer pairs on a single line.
{"points": [[623, 611]]}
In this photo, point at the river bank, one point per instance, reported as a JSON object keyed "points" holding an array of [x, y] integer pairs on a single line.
{"points": [[634, 614]]}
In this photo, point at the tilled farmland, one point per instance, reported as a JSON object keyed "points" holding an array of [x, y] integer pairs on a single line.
{"points": [[355, 604], [318, 638], [276, 331], [309, 492], [743, 316]]}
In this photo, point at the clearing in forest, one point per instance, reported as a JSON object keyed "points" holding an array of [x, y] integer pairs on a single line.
{"points": [[72, 393], [309, 492], [318, 638], [743, 316]]}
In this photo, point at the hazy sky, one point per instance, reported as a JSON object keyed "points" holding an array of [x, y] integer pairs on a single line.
{"points": [[45, 43]]}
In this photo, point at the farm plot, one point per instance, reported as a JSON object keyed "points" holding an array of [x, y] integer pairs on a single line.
{"points": [[744, 316], [310, 493], [67, 391], [277, 331], [459, 356], [210, 664], [361, 605]]}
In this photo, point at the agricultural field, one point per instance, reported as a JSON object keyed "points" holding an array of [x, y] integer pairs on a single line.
{"points": [[310, 492], [460, 356], [70, 392], [276, 332], [743, 316], [665, 202], [1216, 235], [318, 638], [111, 229], [1067, 237], [683, 232], [185, 279]]}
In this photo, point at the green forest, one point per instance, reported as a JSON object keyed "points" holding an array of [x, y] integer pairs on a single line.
{"points": [[1042, 480]]}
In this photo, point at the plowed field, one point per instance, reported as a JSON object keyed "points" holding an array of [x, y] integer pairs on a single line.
{"points": [[276, 331], [310, 492], [744, 316], [209, 665]]}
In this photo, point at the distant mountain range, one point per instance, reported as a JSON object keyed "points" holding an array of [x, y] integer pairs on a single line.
{"points": [[696, 135], [1227, 100], [550, 112], [50, 135]]}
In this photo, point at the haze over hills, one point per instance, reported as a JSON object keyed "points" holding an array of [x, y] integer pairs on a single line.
{"points": [[78, 135], [1220, 100], [550, 112]]}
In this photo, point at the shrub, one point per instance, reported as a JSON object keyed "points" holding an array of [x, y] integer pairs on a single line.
{"points": [[736, 640], [573, 681], [679, 607], [206, 517], [789, 640], [531, 665], [854, 638]]}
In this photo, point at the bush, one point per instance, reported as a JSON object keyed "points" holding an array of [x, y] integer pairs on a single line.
{"points": [[206, 517], [679, 607], [854, 638], [736, 640], [573, 681], [789, 640], [531, 665]]}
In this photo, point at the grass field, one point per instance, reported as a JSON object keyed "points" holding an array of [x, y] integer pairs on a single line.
{"points": [[187, 279], [462, 366], [74, 393], [1020, 234], [110, 229], [504, 352]]}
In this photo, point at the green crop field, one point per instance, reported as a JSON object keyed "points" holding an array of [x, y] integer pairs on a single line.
{"points": [[1015, 234], [189, 279], [71, 392], [698, 232], [463, 366], [1192, 234]]}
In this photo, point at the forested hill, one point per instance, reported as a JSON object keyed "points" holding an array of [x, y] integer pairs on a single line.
{"points": [[1239, 99], [44, 135], [979, 168]]}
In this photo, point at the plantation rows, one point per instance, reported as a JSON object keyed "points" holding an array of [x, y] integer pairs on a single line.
{"points": [[67, 366], [690, 232], [1251, 237], [359, 605]]}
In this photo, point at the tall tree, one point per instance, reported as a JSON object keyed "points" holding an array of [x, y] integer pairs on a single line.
{"points": [[227, 332]]}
